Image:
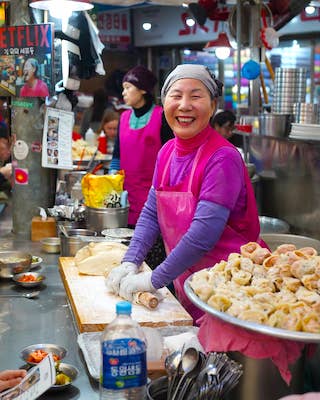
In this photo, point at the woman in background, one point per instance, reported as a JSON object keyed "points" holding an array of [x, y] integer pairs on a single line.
{"points": [[93, 115], [142, 132], [109, 125]]}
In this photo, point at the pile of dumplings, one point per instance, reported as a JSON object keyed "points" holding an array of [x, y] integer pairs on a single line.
{"points": [[279, 289]]}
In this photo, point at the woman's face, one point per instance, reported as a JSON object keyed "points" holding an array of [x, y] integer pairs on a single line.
{"points": [[110, 128], [28, 71], [133, 96], [188, 107]]}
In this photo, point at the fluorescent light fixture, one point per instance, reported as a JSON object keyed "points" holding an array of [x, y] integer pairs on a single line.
{"points": [[310, 10]]}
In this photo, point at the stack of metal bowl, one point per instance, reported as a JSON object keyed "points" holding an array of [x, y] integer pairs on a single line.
{"points": [[290, 87], [306, 113]]}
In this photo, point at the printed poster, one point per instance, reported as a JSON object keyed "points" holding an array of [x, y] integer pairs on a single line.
{"points": [[57, 139], [26, 57], [38, 380]]}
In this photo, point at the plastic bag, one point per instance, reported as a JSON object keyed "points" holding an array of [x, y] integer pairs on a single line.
{"points": [[102, 191]]}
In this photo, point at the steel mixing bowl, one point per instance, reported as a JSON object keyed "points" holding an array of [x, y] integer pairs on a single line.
{"points": [[55, 349], [14, 262], [71, 371], [38, 279]]}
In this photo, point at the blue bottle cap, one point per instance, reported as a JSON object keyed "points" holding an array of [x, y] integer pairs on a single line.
{"points": [[123, 307]]}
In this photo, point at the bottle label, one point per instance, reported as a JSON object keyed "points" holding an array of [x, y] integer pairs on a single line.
{"points": [[124, 364]]}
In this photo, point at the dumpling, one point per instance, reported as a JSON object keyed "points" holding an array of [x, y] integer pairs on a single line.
{"points": [[284, 248], [219, 302], [309, 251], [259, 255], [248, 249]]}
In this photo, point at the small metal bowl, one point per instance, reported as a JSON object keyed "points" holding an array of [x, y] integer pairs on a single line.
{"points": [[36, 260], [49, 348], [14, 262], [39, 279], [69, 370], [51, 245]]}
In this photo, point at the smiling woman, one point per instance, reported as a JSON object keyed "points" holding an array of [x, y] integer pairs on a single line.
{"points": [[201, 200]]}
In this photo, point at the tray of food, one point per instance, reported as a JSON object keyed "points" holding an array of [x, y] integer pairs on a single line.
{"points": [[274, 293]]}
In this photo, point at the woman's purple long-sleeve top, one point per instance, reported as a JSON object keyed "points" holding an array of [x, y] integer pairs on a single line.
{"points": [[217, 201]]}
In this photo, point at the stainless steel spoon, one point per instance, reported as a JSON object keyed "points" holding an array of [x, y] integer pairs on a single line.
{"points": [[171, 364], [30, 295], [189, 362]]}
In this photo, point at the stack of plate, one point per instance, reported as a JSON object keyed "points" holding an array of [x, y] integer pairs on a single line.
{"points": [[305, 131], [306, 113]]}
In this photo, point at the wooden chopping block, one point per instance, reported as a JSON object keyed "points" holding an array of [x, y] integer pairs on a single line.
{"points": [[94, 308]]}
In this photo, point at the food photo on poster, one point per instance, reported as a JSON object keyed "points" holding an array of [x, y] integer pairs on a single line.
{"points": [[26, 54]]}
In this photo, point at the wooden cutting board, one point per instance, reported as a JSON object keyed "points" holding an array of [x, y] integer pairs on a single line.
{"points": [[94, 307]]}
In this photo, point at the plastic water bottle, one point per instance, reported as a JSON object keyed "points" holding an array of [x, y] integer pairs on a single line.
{"points": [[91, 137], [124, 362]]}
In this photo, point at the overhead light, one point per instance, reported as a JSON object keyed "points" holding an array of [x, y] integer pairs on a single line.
{"points": [[310, 10], [190, 22], [221, 46], [72, 5], [146, 26]]}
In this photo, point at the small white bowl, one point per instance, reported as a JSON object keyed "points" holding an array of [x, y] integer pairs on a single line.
{"points": [[36, 260]]}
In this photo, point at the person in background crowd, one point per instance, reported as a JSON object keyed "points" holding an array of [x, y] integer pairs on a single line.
{"points": [[142, 132], [5, 161], [33, 87], [201, 199], [109, 125], [223, 122], [93, 115], [10, 378]]}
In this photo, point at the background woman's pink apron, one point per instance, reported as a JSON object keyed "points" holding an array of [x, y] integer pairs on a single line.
{"points": [[139, 149]]}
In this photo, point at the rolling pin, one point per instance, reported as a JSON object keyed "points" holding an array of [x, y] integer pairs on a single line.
{"points": [[146, 299]]}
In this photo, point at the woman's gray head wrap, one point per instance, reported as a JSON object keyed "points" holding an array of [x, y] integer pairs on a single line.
{"points": [[193, 71]]}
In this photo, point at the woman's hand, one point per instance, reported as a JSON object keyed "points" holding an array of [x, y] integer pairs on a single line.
{"points": [[6, 171], [135, 283], [306, 396], [11, 378], [117, 274]]}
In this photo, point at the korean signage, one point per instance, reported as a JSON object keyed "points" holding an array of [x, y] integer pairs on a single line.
{"points": [[114, 27], [26, 60]]}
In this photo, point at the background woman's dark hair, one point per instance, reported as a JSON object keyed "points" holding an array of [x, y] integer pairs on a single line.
{"points": [[223, 117], [100, 103]]}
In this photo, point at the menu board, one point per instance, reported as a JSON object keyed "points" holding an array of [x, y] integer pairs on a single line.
{"points": [[57, 139]]}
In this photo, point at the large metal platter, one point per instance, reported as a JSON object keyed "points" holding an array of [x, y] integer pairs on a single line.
{"points": [[252, 326]]}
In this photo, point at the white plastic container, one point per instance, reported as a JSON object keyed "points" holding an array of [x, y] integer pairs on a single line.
{"points": [[91, 137], [123, 358]]}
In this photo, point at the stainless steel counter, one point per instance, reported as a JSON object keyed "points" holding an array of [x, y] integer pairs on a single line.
{"points": [[46, 319]]}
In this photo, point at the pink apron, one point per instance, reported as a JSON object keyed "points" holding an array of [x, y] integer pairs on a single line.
{"points": [[176, 206], [139, 149]]}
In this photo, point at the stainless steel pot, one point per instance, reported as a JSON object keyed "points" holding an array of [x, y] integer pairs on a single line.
{"points": [[277, 125], [103, 218], [74, 242]]}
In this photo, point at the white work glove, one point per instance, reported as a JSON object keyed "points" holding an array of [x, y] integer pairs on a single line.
{"points": [[117, 274], [136, 283]]}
